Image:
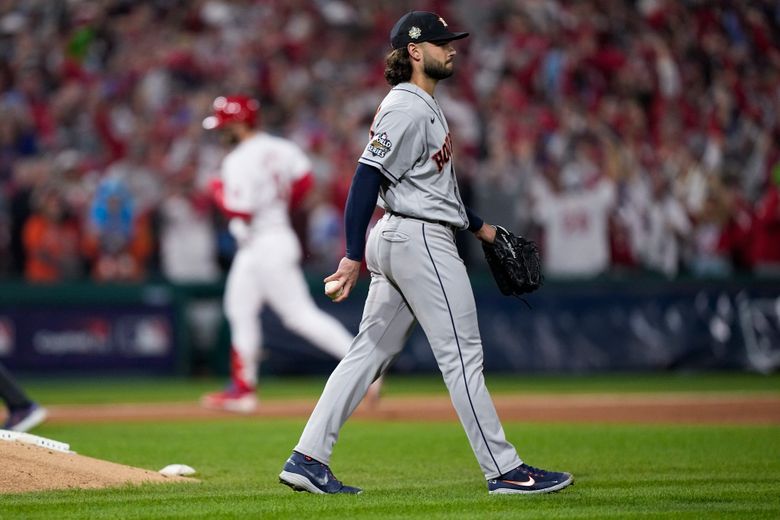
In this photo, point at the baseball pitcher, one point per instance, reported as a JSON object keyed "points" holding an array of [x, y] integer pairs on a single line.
{"points": [[416, 273]]}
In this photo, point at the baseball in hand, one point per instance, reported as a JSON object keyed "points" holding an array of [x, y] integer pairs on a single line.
{"points": [[333, 289]]}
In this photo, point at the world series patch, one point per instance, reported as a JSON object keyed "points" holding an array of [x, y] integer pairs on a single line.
{"points": [[380, 145]]}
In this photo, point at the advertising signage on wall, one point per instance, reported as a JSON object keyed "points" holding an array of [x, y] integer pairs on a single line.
{"points": [[88, 337], [599, 327]]}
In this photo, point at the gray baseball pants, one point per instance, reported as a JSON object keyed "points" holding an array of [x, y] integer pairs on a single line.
{"points": [[416, 275]]}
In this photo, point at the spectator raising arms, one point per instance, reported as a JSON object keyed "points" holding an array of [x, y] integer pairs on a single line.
{"points": [[573, 210], [118, 240]]}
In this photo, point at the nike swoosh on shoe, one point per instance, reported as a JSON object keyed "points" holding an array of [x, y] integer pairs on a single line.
{"points": [[528, 483]]}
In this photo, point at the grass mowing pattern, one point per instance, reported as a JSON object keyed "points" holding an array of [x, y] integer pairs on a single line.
{"points": [[91, 390], [425, 471]]}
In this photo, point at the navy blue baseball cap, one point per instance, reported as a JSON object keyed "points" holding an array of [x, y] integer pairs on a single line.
{"points": [[421, 26]]}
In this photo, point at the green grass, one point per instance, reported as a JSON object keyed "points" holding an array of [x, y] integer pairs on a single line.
{"points": [[418, 470], [424, 471], [123, 390]]}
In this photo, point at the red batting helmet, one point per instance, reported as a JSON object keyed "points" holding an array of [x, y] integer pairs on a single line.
{"points": [[232, 109]]}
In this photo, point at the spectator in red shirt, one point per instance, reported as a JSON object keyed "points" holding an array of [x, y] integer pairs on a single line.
{"points": [[766, 228], [736, 233]]}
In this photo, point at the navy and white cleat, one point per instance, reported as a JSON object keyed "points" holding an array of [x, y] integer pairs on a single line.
{"points": [[25, 419], [303, 473], [528, 480]]}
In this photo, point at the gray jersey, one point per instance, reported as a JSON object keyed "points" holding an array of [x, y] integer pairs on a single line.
{"points": [[410, 144]]}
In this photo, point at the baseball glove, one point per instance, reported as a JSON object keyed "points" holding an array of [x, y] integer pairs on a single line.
{"points": [[514, 263]]}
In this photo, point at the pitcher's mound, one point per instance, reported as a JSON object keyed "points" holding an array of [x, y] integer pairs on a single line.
{"points": [[26, 467]]}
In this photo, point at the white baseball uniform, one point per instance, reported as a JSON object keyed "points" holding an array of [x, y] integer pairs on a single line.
{"points": [[576, 229], [416, 276], [257, 177]]}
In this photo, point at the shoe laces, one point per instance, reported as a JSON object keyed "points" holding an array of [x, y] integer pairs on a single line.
{"points": [[327, 469], [536, 472], [331, 476]]}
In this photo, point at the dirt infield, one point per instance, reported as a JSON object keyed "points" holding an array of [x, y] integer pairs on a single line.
{"points": [[684, 408], [28, 468]]}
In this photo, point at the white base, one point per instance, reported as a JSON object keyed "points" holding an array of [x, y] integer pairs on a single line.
{"points": [[177, 470]]}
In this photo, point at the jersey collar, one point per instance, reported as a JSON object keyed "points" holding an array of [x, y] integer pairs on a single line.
{"points": [[417, 90]]}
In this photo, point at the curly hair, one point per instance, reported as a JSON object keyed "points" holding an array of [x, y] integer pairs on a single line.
{"points": [[398, 67]]}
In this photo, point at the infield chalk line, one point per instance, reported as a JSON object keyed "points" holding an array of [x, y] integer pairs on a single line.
{"points": [[42, 442]]}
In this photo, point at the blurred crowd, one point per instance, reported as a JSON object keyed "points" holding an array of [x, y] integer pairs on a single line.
{"points": [[627, 136]]}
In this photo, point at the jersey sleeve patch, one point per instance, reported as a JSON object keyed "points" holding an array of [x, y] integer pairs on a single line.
{"points": [[380, 145], [395, 143]]}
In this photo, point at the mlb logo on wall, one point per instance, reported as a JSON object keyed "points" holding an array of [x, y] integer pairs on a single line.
{"points": [[6, 336], [149, 335]]}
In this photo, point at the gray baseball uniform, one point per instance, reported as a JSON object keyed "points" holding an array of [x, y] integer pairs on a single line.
{"points": [[416, 275]]}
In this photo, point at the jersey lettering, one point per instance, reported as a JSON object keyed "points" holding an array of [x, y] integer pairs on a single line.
{"points": [[576, 222], [444, 155], [282, 191]]}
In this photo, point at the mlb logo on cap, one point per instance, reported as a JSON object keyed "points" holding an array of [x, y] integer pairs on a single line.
{"points": [[421, 26]]}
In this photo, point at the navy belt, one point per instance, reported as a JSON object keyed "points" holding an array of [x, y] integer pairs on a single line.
{"points": [[448, 225]]}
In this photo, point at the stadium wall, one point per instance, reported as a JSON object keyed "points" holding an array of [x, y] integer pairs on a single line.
{"points": [[568, 327]]}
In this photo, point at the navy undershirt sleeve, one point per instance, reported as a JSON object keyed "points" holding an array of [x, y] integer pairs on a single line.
{"points": [[361, 203], [475, 221]]}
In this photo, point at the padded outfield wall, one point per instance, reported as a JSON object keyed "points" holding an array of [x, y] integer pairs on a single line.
{"points": [[574, 327]]}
